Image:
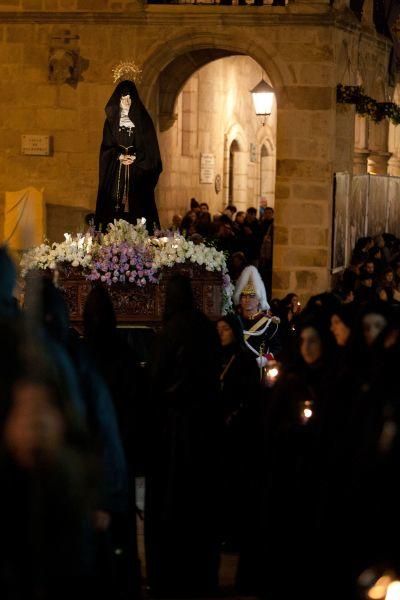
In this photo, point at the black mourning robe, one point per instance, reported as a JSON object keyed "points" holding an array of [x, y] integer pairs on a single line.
{"points": [[183, 477], [141, 177]]}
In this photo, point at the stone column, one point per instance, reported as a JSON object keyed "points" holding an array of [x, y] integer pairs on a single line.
{"points": [[378, 163], [305, 142], [394, 165], [360, 161], [361, 152], [378, 147], [394, 148]]}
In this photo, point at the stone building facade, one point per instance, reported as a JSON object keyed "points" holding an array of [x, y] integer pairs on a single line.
{"points": [[199, 62]]}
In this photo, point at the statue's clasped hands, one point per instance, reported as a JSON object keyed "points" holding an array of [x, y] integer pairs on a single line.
{"points": [[127, 159]]}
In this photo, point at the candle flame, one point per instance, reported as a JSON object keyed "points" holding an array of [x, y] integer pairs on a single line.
{"points": [[393, 591], [273, 372]]}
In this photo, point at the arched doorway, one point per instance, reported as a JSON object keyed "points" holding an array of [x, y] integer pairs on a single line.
{"points": [[206, 118]]}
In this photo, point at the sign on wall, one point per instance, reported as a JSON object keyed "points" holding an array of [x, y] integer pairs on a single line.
{"points": [[35, 145], [207, 168]]}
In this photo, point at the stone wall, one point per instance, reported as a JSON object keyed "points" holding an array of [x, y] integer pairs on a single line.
{"points": [[299, 47]]}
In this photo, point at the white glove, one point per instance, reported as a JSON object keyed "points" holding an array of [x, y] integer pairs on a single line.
{"points": [[261, 361]]}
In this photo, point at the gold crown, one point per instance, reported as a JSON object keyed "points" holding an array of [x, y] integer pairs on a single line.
{"points": [[249, 289], [127, 70]]}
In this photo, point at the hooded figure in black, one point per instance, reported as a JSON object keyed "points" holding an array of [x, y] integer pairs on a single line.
{"points": [[183, 474], [130, 162]]}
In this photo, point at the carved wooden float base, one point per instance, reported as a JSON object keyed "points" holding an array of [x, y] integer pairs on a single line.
{"points": [[135, 306]]}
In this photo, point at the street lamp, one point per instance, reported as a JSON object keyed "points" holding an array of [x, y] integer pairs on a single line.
{"points": [[263, 97]]}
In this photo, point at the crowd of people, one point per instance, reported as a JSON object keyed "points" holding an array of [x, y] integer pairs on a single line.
{"points": [[245, 237], [273, 433]]}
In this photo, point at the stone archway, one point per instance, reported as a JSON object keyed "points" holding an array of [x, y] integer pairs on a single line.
{"points": [[167, 90], [171, 64]]}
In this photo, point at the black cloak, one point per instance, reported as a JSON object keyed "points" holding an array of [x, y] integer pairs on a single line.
{"points": [[182, 480], [141, 177]]}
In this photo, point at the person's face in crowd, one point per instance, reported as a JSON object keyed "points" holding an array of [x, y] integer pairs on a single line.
{"points": [[369, 268], [203, 208], [380, 242], [251, 217], [228, 213], [249, 303], [294, 304], [240, 217], [356, 268], [225, 230], [176, 221], [310, 345], [367, 282], [35, 428], [192, 215], [349, 298], [238, 261], [370, 244], [372, 325], [389, 277], [225, 333], [340, 330], [268, 214]]}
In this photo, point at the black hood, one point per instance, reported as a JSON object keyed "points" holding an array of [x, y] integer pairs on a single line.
{"points": [[148, 153]]}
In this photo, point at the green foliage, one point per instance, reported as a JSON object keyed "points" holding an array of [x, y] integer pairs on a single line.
{"points": [[367, 106]]}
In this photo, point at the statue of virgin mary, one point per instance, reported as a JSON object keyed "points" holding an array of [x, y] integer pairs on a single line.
{"points": [[130, 162]]}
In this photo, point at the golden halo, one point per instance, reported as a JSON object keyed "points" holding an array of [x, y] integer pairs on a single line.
{"points": [[127, 70]]}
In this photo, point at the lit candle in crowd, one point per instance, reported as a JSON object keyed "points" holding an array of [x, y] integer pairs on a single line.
{"points": [[380, 587], [307, 412], [393, 591], [271, 374]]}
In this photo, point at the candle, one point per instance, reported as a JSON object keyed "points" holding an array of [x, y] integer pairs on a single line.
{"points": [[393, 591], [271, 375], [306, 411]]}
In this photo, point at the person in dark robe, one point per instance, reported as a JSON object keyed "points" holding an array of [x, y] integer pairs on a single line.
{"points": [[240, 394], [48, 477], [116, 363], [101, 423], [294, 415], [182, 482], [355, 500], [130, 162]]}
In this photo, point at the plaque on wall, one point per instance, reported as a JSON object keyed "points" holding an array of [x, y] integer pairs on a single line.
{"points": [[207, 168], [35, 145]]}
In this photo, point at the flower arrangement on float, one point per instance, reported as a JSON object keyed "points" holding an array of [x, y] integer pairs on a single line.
{"points": [[127, 254]]}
